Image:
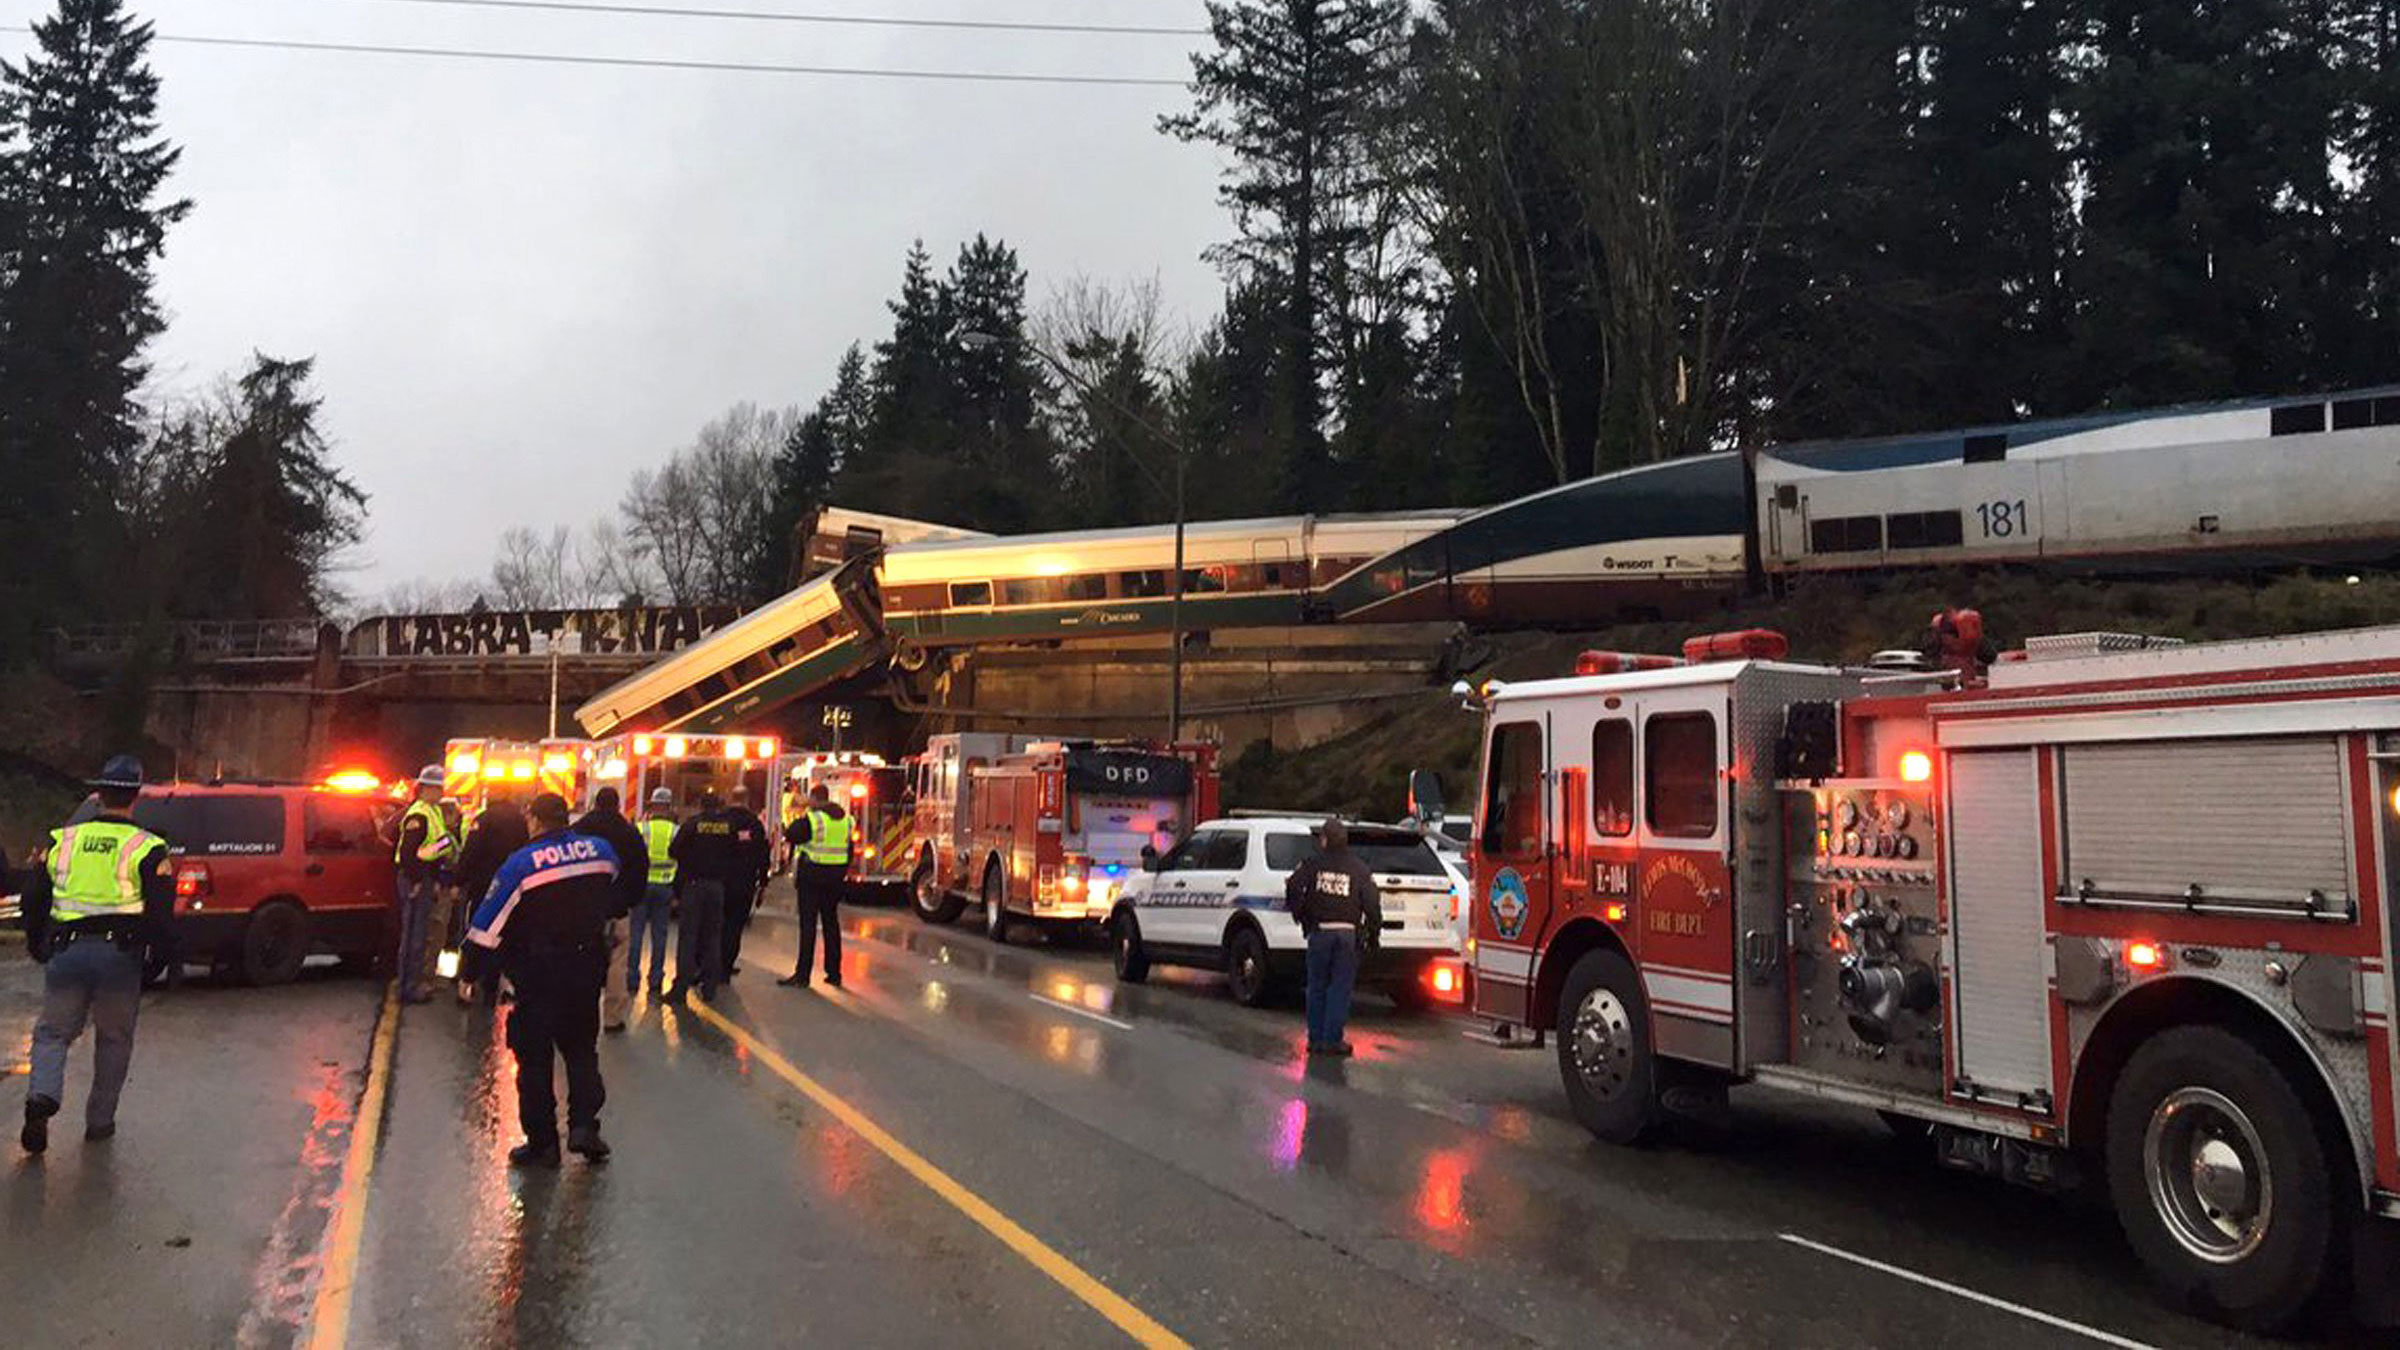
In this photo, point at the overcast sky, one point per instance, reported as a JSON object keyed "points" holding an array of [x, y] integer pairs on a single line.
{"points": [[523, 282]]}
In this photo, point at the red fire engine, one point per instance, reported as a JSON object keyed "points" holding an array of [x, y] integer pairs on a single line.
{"points": [[2122, 912], [1045, 831], [875, 795]]}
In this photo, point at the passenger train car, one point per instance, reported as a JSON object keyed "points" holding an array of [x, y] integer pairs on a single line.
{"points": [[2288, 481], [1093, 583], [2264, 484]]}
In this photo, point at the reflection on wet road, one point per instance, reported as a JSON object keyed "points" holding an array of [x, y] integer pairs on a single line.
{"points": [[849, 1166]]}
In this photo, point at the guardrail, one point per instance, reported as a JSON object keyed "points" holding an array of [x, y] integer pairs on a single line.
{"points": [[225, 640]]}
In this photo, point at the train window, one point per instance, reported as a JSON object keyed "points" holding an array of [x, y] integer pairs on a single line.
{"points": [[2352, 413], [1203, 580], [1846, 534], [1680, 750], [1271, 575], [2296, 419], [1989, 448], [965, 593], [2387, 412], [1925, 529], [1512, 793], [1612, 777], [1090, 586], [1024, 592], [1141, 585]]}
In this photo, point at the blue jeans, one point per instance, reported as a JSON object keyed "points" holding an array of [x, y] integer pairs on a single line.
{"points": [[648, 920], [1332, 970], [416, 907], [90, 981]]}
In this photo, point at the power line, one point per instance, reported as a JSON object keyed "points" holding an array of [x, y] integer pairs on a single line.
{"points": [[778, 16], [650, 62]]}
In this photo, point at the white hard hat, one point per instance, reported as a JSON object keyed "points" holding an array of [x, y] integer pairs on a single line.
{"points": [[662, 796], [432, 776]]}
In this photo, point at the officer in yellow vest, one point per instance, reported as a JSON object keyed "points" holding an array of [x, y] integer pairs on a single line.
{"points": [[649, 917], [103, 899], [822, 840], [425, 851]]}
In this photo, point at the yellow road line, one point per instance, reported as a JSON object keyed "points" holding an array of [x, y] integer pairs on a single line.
{"points": [[1140, 1326], [329, 1322]]}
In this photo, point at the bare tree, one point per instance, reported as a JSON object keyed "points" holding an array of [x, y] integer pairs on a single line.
{"points": [[703, 522]]}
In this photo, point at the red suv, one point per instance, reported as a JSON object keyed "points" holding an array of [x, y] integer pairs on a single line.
{"points": [[268, 873]]}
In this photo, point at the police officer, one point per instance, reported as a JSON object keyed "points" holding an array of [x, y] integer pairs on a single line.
{"points": [[651, 912], [104, 895], [546, 916], [1334, 898], [424, 851], [741, 893], [822, 840], [710, 858]]}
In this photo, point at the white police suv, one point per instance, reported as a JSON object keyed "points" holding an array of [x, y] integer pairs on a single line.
{"points": [[1216, 902]]}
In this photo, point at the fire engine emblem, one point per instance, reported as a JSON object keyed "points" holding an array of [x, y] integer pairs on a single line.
{"points": [[1509, 904]]}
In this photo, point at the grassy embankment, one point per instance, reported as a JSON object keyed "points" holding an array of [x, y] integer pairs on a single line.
{"points": [[1365, 772]]}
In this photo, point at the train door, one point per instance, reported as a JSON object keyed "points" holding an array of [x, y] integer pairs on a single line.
{"points": [[1787, 523], [1683, 887], [2383, 988], [1513, 863]]}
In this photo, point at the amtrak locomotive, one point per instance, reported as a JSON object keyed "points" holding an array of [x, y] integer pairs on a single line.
{"points": [[2255, 484]]}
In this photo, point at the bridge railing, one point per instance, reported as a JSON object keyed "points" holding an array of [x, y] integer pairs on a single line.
{"points": [[215, 640]]}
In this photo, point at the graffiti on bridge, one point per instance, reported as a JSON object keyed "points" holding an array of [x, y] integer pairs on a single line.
{"points": [[647, 631]]}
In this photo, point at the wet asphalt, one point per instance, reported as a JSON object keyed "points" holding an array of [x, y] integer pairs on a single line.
{"points": [[1169, 1144]]}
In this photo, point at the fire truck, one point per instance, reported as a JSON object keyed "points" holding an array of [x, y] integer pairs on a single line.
{"points": [[2118, 912], [1044, 831], [875, 794], [688, 766], [473, 768]]}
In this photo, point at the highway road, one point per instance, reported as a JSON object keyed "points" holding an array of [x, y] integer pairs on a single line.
{"points": [[991, 1146]]}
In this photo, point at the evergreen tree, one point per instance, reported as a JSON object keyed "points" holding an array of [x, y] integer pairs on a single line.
{"points": [[1292, 92], [1011, 483], [1117, 463], [1221, 408], [820, 446], [904, 462], [82, 168], [278, 510]]}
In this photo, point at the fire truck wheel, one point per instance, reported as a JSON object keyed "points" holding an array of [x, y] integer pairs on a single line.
{"points": [[995, 905], [1247, 973], [274, 944], [933, 904], [2223, 1184], [1133, 964], [1604, 1049]]}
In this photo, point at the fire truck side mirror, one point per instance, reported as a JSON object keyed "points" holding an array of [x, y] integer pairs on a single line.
{"points": [[1425, 800], [1465, 694]]}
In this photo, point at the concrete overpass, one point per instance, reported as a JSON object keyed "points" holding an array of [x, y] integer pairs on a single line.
{"points": [[291, 699]]}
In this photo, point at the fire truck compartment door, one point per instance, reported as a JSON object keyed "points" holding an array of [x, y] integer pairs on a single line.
{"points": [[1689, 928], [2000, 996]]}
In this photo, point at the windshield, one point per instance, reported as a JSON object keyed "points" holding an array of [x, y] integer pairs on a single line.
{"points": [[1386, 852]]}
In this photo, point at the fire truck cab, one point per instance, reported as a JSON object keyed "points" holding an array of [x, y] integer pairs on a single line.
{"points": [[2121, 913], [1046, 831]]}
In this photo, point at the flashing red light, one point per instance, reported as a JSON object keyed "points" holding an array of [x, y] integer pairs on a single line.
{"points": [[1445, 980], [859, 789], [1749, 644], [766, 747], [191, 881], [353, 781], [2145, 955], [641, 745], [1916, 767], [1615, 912]]}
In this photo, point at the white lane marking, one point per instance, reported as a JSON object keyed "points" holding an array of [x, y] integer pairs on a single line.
{"points": [[2031, 1314], [1082, 1012]]}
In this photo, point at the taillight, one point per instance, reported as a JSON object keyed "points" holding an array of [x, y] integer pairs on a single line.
{"points": [[192, 882]]}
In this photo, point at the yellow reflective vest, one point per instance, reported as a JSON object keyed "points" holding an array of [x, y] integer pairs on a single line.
{"points": [[658, 835], [95, 869], [439, 843], [828, 840]]}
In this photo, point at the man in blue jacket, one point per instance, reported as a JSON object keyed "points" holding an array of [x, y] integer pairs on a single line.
{"points": [[547, 915]]}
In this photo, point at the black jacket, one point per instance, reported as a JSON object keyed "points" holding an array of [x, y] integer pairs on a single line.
{"points": [[498, 832], [633, 856], [1334, 887], [714, 846], [757, 854]]}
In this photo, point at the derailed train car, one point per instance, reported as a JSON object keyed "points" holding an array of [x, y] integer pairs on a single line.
{"points": [[2256, 484]]}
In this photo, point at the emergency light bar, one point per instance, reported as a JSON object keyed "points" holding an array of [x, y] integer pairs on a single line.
{"points": [[741, 749]]}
